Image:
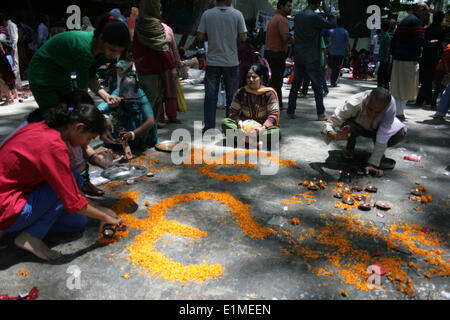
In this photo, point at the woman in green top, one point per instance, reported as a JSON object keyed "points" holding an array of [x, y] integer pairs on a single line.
{"points": [[81, 52]]}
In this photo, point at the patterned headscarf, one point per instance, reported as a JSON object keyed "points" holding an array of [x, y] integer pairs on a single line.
{"points": [[148, 26]]}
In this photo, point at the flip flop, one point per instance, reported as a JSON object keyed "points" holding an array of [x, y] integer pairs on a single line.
{"points": [[91, 190], [438, 117]]}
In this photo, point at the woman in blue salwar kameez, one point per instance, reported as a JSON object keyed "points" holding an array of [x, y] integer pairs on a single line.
{"points": [[132, 118]]}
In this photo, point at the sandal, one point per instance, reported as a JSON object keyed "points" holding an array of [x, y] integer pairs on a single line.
{"points": [[92, 190], [8, 102], [438, 117]]}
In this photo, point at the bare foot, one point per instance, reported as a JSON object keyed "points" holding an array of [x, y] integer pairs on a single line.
{"points": [[36, 246], [8, 102]]}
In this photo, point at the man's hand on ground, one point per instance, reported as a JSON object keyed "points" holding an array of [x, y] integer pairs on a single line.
{"points": [[373, 171], [342, 134]]}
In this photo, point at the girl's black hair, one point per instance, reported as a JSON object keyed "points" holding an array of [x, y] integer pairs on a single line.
{"points": [[261, 71], [77, 106], [74, 98], [64, 115], [113, 31], [78, 97]]}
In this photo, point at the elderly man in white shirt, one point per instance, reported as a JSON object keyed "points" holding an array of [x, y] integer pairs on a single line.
{"points": [[369, 114]]}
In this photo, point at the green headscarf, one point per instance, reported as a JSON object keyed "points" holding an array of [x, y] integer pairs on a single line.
{"points": [[148, 26]]}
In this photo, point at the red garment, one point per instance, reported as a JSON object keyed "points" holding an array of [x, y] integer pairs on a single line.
{"points": [[170, 107], [149, 61], [247, 57], [357, 66], [202, 64], [276, 27], [131, 21], [34, 155], [445, 59]]}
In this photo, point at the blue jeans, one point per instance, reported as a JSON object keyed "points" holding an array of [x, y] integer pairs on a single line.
{"points": [[444, 103], [306, 82], [212, 81], [44, 213], [314, 72], [336, 65]]}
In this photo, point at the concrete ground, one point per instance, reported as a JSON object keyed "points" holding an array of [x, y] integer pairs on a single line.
{"points": [[323, 257]]}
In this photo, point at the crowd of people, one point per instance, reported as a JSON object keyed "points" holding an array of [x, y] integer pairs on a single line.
{"points": [[44, 163]]}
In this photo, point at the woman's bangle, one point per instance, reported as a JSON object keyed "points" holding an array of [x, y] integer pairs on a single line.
{"points": [[133, 134]]}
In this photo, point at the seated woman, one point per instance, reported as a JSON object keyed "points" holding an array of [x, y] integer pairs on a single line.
{"points": [[79, 155], [255, 102], [132, 117], [39, 193]]}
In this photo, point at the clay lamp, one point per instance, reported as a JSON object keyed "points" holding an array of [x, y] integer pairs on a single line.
{"points": [[322, 184], [383, 205], [365, 206], [416, 192], [357, 188], [360, 197], [338, 195], [341, 175], [348, 200], [108, 231], [313, 187], [372, 189]]}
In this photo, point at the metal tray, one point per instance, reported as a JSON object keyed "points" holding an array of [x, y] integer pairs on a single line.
{"points": [[124, 172], [168, 146]]}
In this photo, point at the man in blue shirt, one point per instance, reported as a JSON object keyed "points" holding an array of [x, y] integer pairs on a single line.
{"points": [[339, 48], [308, 26]]}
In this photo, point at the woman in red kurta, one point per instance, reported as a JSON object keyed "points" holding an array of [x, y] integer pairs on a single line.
{"points": [[38, 191]]}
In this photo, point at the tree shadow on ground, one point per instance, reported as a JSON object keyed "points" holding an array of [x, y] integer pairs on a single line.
{"points": [[336, 161], [12, 255], [434, 122]]}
